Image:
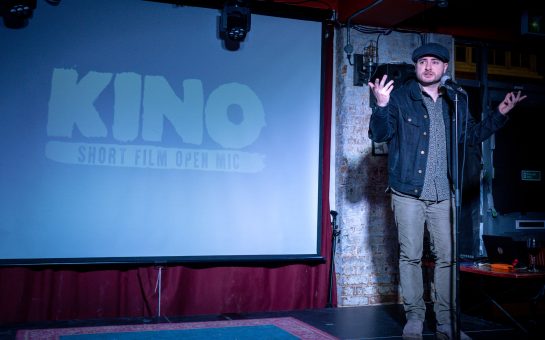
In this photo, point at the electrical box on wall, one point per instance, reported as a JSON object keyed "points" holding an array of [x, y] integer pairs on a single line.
{"points": [[359, 76], [365, 64]]}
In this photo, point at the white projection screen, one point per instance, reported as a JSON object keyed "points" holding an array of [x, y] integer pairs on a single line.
{"points": [[130, 134]]}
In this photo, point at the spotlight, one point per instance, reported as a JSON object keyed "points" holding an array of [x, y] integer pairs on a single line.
{"points": [[17, 12], [235, 21], [442, 3], [438, 3]]}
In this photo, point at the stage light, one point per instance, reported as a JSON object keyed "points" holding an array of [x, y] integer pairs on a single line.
{"points": [[235, 21], [438, 3], [442, 3], [16, 13]]}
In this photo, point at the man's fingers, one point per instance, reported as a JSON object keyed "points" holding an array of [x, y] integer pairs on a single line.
{"points": [[517, 97], [390, 84]]}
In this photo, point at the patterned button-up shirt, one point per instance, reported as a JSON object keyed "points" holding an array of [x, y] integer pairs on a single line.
{"points": [[436, 184]]}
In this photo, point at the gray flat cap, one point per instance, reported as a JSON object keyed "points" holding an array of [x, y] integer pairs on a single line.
{"points": [[431, 49]]}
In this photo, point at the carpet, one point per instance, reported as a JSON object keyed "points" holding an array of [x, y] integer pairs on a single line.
{"points": [[287, 328]]}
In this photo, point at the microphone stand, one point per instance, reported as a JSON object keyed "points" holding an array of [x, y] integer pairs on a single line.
{"points": [[336, 232], [457, 212]]}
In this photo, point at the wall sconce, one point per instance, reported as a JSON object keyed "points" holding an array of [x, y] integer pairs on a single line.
{"points": [[365, 64]]}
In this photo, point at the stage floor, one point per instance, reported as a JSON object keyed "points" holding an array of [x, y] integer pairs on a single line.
{"points": [[368, 322]]}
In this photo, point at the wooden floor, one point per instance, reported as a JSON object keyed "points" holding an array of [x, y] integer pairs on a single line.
{"points": [[368, 322]]}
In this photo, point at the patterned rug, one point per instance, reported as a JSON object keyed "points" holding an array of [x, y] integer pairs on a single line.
{"points": [[272, 328]]}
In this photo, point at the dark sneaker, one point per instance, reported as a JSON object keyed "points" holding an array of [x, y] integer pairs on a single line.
{"points": [[412, 330]]}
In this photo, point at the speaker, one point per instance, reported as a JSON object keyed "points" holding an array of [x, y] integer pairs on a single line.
{"points": [[399, 72]]}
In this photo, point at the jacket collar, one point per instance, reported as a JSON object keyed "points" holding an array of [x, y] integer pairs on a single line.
{"points": [[414, 90]]}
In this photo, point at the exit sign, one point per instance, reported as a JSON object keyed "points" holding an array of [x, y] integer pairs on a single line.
{"points": [[530, 175]]}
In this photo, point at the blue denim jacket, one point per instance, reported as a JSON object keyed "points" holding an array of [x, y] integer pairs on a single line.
{"points": [[404, 125]]}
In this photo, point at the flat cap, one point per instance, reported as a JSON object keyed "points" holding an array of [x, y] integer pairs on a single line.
{"points": [[431, 49]]}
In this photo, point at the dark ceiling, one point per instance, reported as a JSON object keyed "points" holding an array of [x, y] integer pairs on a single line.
{"points": [[478, 19], [474, 19]]}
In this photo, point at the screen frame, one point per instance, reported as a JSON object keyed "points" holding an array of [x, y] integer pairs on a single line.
{"points": [[300, 14]]}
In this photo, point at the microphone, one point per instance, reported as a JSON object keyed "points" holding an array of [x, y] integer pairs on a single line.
{"points": [[450, 84]]}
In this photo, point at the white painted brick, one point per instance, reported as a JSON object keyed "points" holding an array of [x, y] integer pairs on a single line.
{"points": [[366, 258]]}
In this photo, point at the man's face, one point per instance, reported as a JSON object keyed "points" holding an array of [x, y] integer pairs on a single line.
{"points": [[429, 70]]}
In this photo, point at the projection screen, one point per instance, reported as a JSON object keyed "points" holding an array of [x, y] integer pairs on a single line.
{"points": [[130, 134]]}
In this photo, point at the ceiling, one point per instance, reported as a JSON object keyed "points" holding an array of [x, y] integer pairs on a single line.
{"points": [[477, 19]]}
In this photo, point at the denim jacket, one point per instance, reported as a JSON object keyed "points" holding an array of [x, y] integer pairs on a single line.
{"points": [[404, 125]]}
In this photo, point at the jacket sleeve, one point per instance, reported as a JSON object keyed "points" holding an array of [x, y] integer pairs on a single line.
{"points": [[479, 132], [382, 123]]}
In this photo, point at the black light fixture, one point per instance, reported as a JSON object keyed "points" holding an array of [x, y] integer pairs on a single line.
{"points": [[442, 3], [234, 23], [16, 13], [438, 3]]}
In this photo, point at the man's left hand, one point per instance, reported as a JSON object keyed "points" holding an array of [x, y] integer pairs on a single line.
{"points": [[511, 99]]}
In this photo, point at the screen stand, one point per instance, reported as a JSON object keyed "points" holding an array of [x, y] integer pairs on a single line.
{"points": [[158, 290]]}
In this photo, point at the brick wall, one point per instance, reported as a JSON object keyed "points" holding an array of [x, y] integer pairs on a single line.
{"points": [[366, 253]]}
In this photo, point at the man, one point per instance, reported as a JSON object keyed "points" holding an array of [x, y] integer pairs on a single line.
{"points": [[417, 121]]}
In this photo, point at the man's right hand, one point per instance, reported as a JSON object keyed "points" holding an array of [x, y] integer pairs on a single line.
{"points": [[381, 90]]}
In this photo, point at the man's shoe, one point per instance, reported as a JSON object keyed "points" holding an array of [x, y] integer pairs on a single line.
{"points": [[412, 330], [444, 332]]}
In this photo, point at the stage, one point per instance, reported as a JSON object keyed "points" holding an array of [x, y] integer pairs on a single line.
{"points": [[368, 322]]}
